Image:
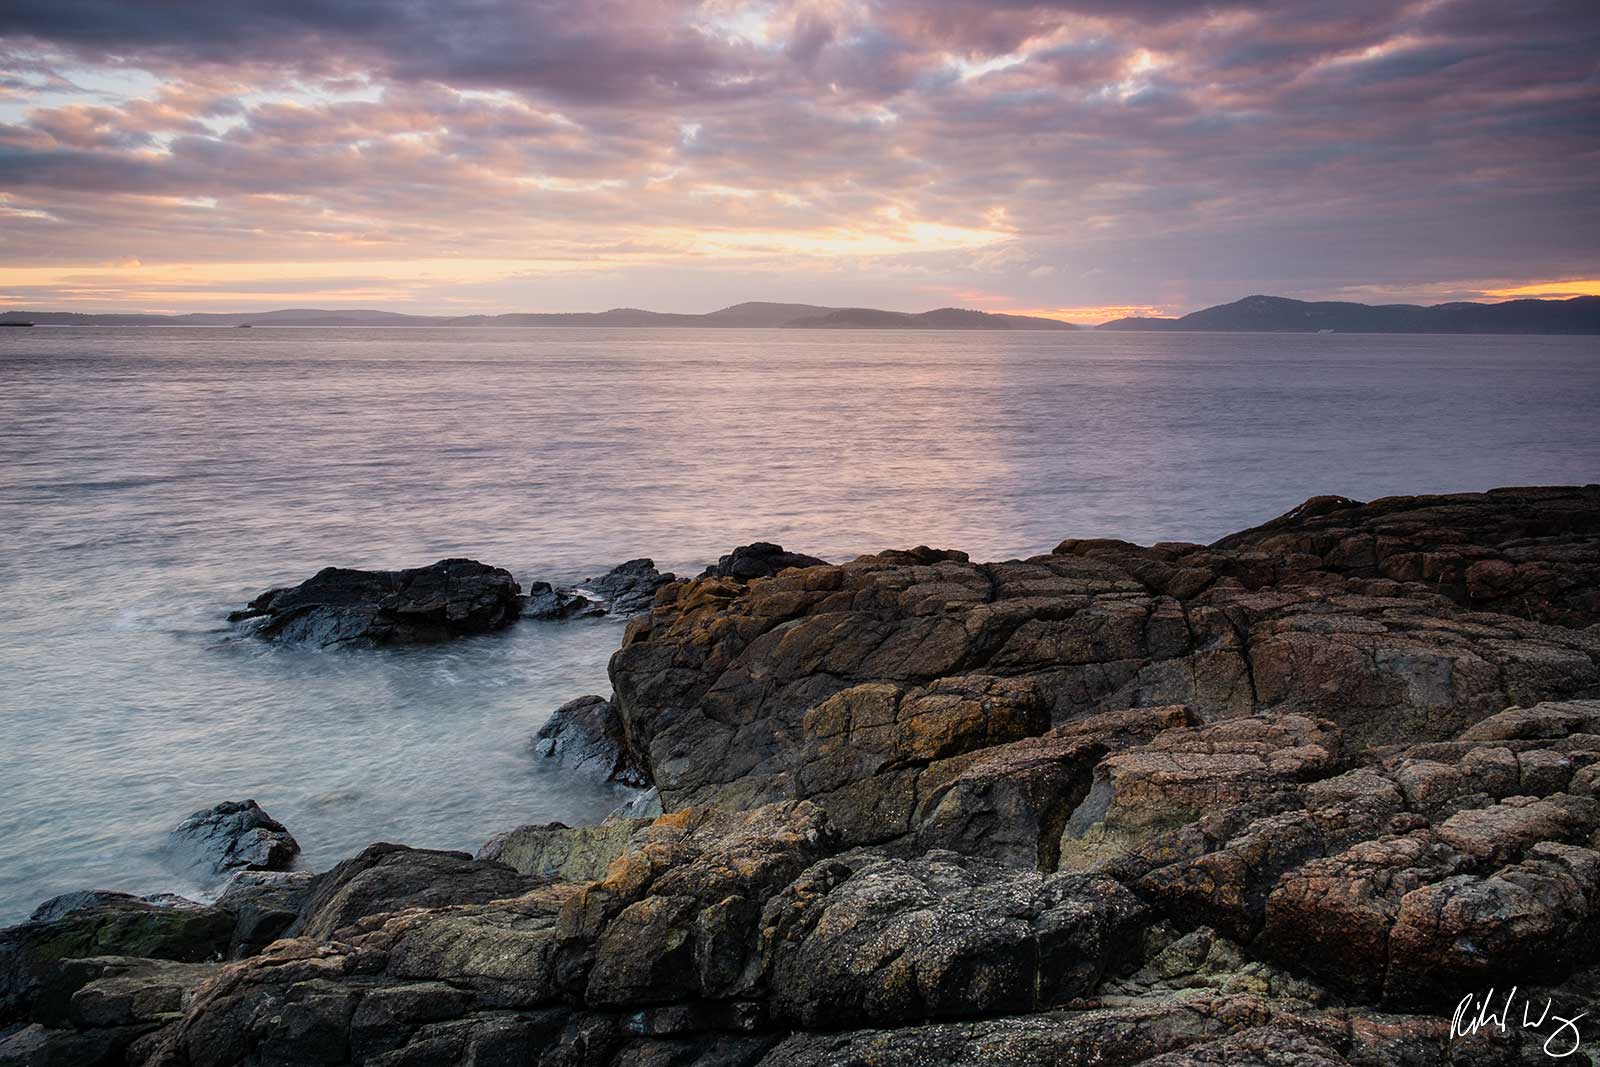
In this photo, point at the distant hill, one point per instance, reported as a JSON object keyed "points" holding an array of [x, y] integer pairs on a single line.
{"points": [[939, 319], [614, 317], [1276, 314], [753, 315], [1253, 314], [286, 317]]}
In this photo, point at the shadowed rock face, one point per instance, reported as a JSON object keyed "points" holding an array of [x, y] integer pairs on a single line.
{"points": [[586, 735], [41, 962], [345, 607], [1172, 807]]}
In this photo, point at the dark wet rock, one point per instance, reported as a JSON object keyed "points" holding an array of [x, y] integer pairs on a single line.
{"points": [[264, 905], [761, 559], [587, 735], [629, 588], [386, 878], [41, 962], [565, 853], [624, 591], [343, 607], [545, 601], [235, 835]]}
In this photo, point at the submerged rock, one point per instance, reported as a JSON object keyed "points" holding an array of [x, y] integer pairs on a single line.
{"points": [[233, 836], [344, 607], [586, 735], [761, 559]]}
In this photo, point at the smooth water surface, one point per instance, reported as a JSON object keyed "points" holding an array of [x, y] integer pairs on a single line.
{"points": [[152, 479]]}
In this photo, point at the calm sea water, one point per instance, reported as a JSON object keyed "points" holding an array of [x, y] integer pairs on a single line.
{"points": [[152, 479]]}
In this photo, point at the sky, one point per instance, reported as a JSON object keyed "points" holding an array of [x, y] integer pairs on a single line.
{"points": [[1082, 159]]}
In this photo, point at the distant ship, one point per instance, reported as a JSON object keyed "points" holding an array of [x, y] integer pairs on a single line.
{"points": [[246, 325], [16, 324], [1324, 331]]}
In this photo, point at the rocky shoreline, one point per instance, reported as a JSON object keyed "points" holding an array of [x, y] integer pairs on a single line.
{"points": [[1290, 799]]}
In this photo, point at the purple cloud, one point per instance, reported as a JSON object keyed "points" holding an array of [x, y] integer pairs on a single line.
{"points": [[1045, 154]]}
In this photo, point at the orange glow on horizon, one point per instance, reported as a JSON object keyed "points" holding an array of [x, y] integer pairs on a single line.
{"points": [[1092, 315], [1548, 290]]}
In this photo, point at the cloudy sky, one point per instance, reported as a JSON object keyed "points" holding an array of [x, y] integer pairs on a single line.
{"points": [[1078, 158]]}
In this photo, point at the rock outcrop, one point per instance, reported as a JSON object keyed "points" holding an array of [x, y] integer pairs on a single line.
{"points": [[235, 835], [1288, 800], [339, 606]]}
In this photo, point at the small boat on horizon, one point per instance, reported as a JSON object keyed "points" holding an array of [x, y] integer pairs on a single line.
{"points": [[245, 325], [16, 323]]}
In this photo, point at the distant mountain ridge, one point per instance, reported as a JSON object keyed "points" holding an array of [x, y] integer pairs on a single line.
{"points": [[1253, 314], [1276, 314], [750, 315]]}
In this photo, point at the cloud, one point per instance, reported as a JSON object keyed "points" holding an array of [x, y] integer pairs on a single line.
{"points": [[1083, 154]]}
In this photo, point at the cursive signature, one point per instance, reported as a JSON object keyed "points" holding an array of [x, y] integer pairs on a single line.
{"points": [[1476, 1012]]}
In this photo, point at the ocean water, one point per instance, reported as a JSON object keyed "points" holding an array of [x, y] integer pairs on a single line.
{"points": [[153, 479]]}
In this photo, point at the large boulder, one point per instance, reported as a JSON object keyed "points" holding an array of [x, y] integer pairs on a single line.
{"points": [[586, 735], [235, 835], [760, 559], [340, 606]]}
